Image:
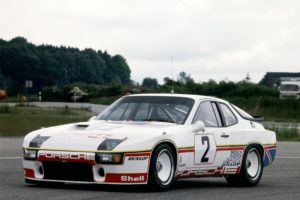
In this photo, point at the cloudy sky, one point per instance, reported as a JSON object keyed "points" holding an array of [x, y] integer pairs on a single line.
{"points": [[208, 39]]}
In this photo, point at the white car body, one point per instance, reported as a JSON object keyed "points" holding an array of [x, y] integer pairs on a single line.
{"points": [[214, 151]]}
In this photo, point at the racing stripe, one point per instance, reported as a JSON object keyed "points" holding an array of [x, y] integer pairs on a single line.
{"points": [[38, 140], [109, 144]]}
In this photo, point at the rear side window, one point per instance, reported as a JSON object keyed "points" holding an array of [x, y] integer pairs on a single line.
{"points": [[241, 112], [229, 117], [205, 113], [217, 113]]}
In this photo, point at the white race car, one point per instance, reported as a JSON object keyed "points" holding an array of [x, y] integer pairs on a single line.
{"points": [[153, 139]]}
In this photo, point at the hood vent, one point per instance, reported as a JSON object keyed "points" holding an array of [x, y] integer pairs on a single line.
{"points": [[81, 126]]}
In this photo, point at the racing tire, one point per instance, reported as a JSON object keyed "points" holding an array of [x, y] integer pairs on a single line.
{"points": [[162, 168], [251, 169]]}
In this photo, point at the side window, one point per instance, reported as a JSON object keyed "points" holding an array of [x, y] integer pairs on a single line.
{"points": [[217, 113], [229, 117], [205, 113]]}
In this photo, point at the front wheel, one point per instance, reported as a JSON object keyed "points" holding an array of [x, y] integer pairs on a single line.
{"points": [[162, 167], [251, 169]]}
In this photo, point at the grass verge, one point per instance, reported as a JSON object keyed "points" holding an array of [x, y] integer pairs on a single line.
{"points": [[18, 121], [272, 109]]}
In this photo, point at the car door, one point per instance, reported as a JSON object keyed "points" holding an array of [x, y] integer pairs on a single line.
{"points": [[209, 142], [233, 152]]}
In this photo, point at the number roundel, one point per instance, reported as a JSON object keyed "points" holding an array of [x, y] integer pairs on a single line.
{"points": [[205, 149]]}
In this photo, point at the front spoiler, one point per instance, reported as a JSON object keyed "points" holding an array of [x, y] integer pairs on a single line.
{"points": [[133, 170]]}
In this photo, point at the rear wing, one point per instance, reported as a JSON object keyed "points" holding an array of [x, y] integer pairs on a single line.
{"points": [[255, 119]]}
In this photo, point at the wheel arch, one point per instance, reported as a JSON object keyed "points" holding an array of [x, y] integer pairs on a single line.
{"points": [[172, 145], [259, 146]]}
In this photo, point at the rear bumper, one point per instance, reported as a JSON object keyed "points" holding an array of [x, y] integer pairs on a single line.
{"points": [[269, 155], [133, 170]]}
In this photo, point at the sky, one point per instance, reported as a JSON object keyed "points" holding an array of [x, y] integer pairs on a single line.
{"points": [[208, 39]]}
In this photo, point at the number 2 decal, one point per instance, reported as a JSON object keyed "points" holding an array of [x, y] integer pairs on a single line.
{"points": [[205, 149], [205, 139]]}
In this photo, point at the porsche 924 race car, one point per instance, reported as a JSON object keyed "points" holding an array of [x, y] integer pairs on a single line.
{"points": [[153, 139]]}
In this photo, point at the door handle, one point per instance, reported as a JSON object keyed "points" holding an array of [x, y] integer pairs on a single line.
{"points": [[224, 135]]}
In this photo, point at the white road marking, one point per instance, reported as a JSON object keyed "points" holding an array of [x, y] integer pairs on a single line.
{"points": [[10, 158]]}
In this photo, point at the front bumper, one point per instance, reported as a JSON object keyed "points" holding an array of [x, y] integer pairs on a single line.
{"points": [[133, 170]]}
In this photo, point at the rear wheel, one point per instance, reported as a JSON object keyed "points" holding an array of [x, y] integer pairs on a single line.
{"points": [[251, 171], [162, 167]]}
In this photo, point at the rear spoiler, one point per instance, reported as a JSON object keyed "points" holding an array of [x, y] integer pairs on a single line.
{"points": [[255, 118]]}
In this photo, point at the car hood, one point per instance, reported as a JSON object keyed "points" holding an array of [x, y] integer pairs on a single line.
{"points": [[87, 136]]}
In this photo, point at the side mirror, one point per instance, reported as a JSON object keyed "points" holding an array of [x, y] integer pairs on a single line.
{"points": [[92, 118], [198, 126]]}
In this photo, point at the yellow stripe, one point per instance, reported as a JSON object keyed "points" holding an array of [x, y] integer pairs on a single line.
{"points": [[126, 151], [188, 147], [89, 151], [229, 145]]}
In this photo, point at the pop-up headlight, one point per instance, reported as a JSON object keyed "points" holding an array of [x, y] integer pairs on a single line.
{"points": [[109, 144]]}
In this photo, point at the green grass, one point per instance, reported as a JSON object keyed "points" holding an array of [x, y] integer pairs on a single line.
{"points": [[5, 109], [271, 108], [18, 121]]}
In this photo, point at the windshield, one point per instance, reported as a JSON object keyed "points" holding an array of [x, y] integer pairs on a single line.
{"points": [[149, 108], [289, 87]]}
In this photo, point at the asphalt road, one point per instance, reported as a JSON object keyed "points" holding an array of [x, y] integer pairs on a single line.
{"points": [[280, 181]]}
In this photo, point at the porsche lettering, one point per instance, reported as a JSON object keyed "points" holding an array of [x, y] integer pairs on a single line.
{"points": [[68, 156]]}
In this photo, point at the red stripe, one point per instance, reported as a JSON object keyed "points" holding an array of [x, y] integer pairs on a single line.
{"points": [[229, 148], [271, 147], [29, 173], [126, 178], [186, 150], [138, 154]]}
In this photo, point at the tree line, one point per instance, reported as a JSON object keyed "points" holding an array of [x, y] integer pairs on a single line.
{"points": [[47, 65], [57, 70], [185, 84]]}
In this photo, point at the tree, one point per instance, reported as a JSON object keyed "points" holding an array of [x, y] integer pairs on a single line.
{"points": [[149, 83], [48, 65], [247, 78], [183, 78], [77, 93]]}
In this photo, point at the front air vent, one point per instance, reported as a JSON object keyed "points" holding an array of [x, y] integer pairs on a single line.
{"points": [[82, 125], [79, 127], [69, 171]]}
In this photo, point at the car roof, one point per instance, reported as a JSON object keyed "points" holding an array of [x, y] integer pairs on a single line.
{"points": [[191, 96]]}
